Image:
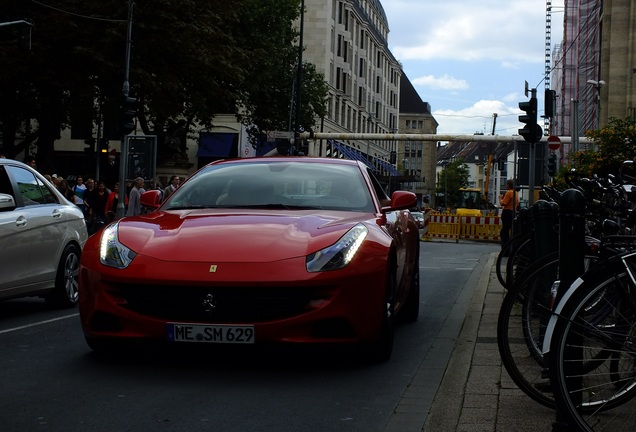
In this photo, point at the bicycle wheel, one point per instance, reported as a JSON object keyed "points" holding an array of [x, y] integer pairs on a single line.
{"points": [[593, 355], [504, 254], [523, 317], [519, 260]]}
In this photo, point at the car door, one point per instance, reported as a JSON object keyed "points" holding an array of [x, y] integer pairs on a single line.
{"points": [[12, 249], [38, 233]]}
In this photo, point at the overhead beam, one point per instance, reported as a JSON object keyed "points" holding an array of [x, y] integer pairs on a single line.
{"points": [[430, 137]]}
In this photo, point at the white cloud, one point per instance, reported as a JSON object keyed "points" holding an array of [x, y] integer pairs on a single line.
{"points": [[469, 59], [445, 82], [467, 30], [478, 118]]}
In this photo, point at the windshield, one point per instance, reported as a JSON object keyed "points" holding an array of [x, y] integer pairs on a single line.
{"points": [[285, 184]]}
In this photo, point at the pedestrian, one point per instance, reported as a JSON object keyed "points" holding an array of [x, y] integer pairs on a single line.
{"points": [[30, 161], [509, 202], [96, 218], [56, 181], [66, 190], [113, 202], [79, 190], [174, 184], [134, 199], [89, 194]]}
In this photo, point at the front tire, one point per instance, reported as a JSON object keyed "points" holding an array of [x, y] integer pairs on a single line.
{"points": [[65, 294], [381, 349], [411, 309]]}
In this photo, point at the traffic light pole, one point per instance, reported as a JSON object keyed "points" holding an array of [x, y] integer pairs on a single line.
{"points": [[532, 133], [123, 155], [532, 162]]}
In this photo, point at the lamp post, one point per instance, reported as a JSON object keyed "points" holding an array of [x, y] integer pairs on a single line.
{"points": [[369, 125], [299, 79], [123, 154], [597, 85]]}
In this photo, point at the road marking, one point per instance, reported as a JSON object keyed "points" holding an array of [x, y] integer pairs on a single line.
{"points": [[38, 323]]}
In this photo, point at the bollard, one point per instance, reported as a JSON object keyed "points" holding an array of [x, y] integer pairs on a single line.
{"points": [[521, 223], [571, 266], [545, 238], [571, 237]]}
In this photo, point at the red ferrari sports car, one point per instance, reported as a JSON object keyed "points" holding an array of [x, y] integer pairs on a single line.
{"points": [[290, 250]]}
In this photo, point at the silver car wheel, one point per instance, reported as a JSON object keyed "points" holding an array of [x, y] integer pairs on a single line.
{"points": [[71, 274]]}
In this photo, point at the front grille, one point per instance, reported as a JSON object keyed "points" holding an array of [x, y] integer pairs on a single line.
{"points": [[231, 304]]}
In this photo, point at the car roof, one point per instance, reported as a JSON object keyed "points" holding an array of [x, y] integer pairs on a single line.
{"points": [[260, 159]]}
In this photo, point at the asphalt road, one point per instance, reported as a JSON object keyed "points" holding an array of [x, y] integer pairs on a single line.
{"points": [[51, 381]]}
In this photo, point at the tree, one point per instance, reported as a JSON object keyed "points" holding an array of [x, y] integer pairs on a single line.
{"points": [[613, 144], [451, 178], [190, 60]]}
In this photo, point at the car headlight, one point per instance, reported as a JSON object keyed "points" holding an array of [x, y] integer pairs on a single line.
{"points": [[111, 252], [339, 254]]}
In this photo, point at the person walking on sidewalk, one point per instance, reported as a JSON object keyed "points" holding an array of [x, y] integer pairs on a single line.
{"points": [[174, 184], [509, 202], [134, 200]]}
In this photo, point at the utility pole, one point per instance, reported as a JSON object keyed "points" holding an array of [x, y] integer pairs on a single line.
{"points": [[123, 156], [299, 80]]}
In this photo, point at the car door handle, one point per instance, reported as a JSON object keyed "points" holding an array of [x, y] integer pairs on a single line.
{"points": [[56, 214], [21, 221]]}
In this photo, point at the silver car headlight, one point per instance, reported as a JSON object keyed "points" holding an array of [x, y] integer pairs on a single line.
{"points": [[111, 252], [339, 254]]}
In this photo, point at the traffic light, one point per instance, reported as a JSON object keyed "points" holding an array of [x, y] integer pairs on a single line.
{"points": [[548, 103], [90, 145], [531, 131], [103, 145], [552, 165], [129, 108]]}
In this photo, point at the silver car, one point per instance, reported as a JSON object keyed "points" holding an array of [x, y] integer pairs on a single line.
{"points": [[41, 237]]}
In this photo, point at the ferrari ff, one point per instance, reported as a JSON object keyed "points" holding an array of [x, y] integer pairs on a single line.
{"points": [[273, 250]]}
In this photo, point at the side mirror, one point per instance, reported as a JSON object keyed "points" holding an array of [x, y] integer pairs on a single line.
{"points": [[401, 200], [6, 202], [151, 198]]}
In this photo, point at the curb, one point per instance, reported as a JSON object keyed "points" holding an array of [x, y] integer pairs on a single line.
{"points": [[446, 411]]}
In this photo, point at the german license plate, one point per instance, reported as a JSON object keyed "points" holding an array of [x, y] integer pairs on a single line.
{"points": [[202, 333]]}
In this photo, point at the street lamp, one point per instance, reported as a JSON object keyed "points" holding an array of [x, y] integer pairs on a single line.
{"points": [[299, 78], [369, 125], [123, 152], [597, 85]]}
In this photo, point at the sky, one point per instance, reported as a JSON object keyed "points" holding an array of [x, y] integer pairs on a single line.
{"points": [[470, 59]]}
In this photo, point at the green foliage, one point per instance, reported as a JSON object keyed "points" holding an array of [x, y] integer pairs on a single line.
{"points": [[189, 59], [451, 178], [613, 144]]}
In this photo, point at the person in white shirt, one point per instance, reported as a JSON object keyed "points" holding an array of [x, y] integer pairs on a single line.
{"points": [[79, 190], [134, 199]]}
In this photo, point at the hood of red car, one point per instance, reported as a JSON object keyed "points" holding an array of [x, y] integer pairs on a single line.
{"points": [[246, 236]]}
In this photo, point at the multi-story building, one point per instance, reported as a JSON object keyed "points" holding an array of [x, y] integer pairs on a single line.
{"points": [[593, 71], [416, 158], [347, 40]]}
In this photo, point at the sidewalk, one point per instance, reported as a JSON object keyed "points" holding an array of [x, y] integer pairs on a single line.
{"points": [[476, 393]]}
